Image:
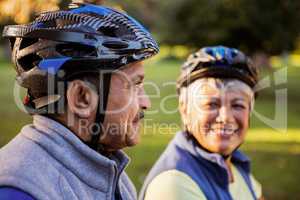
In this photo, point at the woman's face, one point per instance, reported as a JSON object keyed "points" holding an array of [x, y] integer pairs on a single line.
{"points": [[217, 114]]}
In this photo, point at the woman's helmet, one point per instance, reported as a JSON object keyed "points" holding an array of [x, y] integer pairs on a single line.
{"points": [[218, 62]]}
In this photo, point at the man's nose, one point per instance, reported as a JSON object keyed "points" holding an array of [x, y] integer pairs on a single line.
{"points": [[144, 101]]}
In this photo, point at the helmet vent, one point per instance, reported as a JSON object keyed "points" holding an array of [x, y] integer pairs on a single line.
{"points": [[115, 44], [108, 31], [27, 42], [76, 50], [50, 23], [64, 22], [29, 61]]}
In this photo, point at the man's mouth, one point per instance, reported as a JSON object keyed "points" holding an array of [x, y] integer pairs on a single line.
{"points": [[138, 117]]}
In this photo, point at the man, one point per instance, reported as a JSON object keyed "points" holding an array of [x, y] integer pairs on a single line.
{"points": [[83, 71], [216, 97]]}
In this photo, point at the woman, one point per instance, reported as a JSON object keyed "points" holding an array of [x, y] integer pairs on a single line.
{"points": [[216, 97]]}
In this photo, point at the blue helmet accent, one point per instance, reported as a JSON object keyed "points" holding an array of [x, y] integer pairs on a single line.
{"points": [[88, 8], [52, 66], [223, 55], [218, 62]]}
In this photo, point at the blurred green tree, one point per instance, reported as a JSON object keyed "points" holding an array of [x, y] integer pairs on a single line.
{"points": [[267, 26], [146, 10], [260, 28], [253, 25]]}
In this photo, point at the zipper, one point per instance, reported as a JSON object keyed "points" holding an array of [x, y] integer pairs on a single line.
{"points": [[115, 190]]}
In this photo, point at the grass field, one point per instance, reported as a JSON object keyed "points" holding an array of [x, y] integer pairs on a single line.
{"points": [[275, 155]]}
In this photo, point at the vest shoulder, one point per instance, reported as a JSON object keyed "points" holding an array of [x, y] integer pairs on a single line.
{"points": [[178, 158], [22, 155], [25, 165], [174, 158]]}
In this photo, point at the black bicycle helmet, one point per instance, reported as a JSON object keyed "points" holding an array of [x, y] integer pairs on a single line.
{"points": [[218, 62], [64, 43]]}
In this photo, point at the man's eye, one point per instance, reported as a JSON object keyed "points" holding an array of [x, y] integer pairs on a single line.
{"points": [[139, 84]]}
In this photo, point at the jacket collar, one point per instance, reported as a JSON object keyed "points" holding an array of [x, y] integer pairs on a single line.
{"points": [[238, 158], [70, 151]]}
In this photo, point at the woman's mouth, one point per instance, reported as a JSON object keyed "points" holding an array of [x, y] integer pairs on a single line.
{"points": [[223, 130]]}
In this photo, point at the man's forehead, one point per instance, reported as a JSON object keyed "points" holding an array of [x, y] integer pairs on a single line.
{"points": [[130, 73], [134, 69]]}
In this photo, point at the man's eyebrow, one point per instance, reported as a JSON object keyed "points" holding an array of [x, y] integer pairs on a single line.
{"points": [[138, 77]]}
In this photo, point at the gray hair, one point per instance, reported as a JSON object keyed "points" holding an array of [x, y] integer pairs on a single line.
{"points": [[220, 83]]}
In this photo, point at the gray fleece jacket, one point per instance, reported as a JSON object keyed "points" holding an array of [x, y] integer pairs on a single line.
{"points": [[49, 162]]}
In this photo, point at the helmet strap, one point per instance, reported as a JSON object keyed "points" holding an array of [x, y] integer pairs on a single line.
{"points": [[97, 130]]}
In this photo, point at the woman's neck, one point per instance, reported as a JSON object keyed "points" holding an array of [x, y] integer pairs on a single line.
{"points": [[229, 167]]}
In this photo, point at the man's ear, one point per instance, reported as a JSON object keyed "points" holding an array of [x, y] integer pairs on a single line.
{"points": [[82, 99]]}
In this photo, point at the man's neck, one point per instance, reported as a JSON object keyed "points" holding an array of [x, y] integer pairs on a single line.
{"points": [[75, 125]]}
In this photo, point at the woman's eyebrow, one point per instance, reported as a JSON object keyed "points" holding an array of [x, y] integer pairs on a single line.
{"points": [[208, 98], [239, 99]]}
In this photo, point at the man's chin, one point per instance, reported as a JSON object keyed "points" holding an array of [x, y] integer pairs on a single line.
{"points": [[133, 139]]}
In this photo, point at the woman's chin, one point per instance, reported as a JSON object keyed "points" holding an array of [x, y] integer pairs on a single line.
{"points": [[223, 147]]}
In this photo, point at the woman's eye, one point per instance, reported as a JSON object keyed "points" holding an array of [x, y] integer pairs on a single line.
{"points": [[212, 105], [239, 106]]}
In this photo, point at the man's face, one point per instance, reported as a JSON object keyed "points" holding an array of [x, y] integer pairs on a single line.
{"points": [[217, 117], [126, 102]]}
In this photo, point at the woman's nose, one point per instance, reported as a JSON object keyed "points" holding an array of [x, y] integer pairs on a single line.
{"points": [[224, 114]]}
